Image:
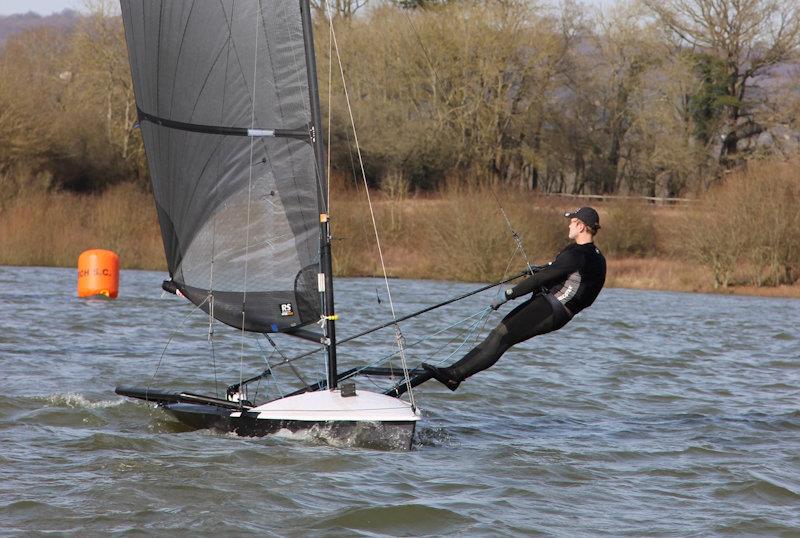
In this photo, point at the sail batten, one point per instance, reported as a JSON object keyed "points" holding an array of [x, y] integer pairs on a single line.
{"points": [[299, 133], [236, 222]]}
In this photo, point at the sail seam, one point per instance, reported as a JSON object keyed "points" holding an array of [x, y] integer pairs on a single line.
{"points": [[307, 134], [178, 57], [158, 59], [299, 134]]}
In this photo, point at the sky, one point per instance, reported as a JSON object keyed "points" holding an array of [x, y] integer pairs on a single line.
{"points": [[46, 7], [43, 7]]}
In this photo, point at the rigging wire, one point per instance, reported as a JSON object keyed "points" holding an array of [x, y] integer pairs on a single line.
{"points": [[249, 192], [211, 306], [398, 333], [481, 316], [271, 371], [508, 266], [280, 353], [483, 313], [409, 316], [356, 183], [211, 318], [172, 335], [472, 333], [330, 115], [514, 234]]}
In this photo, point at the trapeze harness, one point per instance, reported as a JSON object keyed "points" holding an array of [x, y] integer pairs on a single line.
{"points": [[562, 289]]}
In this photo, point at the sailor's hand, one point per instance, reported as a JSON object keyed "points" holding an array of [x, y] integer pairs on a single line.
{"points": [[501, 299]]}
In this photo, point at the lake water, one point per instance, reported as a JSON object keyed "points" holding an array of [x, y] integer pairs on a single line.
{"points": [[650, 414]]}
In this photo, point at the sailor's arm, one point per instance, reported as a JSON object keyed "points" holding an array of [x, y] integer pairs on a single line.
{"points": [[565, 264]]}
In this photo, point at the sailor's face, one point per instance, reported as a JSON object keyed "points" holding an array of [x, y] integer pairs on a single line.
{"points": [[575, 227]]}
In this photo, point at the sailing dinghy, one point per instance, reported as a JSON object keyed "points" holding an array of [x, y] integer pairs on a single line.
{"points": [[228, 106]]}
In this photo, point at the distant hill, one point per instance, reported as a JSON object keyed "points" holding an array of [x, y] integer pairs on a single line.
{"points": [[13, 24]]}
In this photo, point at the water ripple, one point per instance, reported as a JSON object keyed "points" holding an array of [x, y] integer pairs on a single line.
{"points": [[680, 418]]}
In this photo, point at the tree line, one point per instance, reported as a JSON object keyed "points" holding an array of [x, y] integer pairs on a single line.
{"points": [[653, 98]]}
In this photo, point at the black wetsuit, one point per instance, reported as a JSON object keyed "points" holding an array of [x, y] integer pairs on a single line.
{"points": [[562, 289]]}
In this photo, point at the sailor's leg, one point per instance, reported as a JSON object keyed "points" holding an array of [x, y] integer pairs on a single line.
{"points": [[529, 319]]}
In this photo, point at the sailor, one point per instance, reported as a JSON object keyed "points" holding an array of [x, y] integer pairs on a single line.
{"points": [[563, 288]]}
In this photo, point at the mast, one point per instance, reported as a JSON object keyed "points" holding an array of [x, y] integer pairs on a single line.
{"points": [[326, 262]]}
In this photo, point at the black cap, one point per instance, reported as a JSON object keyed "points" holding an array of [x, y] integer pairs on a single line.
{"points": [[587, 215]]}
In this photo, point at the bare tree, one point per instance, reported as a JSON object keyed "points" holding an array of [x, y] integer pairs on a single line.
{"points": [[454, 91], [32, 95], [591, 136], [337, 8], [747, 36], [103, 76]]}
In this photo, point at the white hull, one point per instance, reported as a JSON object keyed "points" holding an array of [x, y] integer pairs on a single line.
{"points": [[330, 405]]}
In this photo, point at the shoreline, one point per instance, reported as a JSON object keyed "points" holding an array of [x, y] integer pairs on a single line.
{"points": [[630, 280], [446, 236], [646, 274]]}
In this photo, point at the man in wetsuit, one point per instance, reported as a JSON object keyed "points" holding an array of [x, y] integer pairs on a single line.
{"points": [[560, 290]]}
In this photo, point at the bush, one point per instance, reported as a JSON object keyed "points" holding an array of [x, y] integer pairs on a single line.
{"points": [[467, 240], [745, 230], [354, 250], [627, 229], [458, 235], [469, 234]]}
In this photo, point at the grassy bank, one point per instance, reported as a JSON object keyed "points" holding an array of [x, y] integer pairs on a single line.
{"points": [[453, 235], [52, 229], [464, 236]]}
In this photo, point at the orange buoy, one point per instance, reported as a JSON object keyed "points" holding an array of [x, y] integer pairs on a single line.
{"points": [[98, 273]]}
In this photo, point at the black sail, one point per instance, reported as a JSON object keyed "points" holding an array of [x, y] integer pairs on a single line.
{"points": [[222, 93]]}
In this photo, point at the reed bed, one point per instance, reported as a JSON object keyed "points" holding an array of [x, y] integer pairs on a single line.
{"points": [[468, 233], [53, 228], [742, 238]]}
